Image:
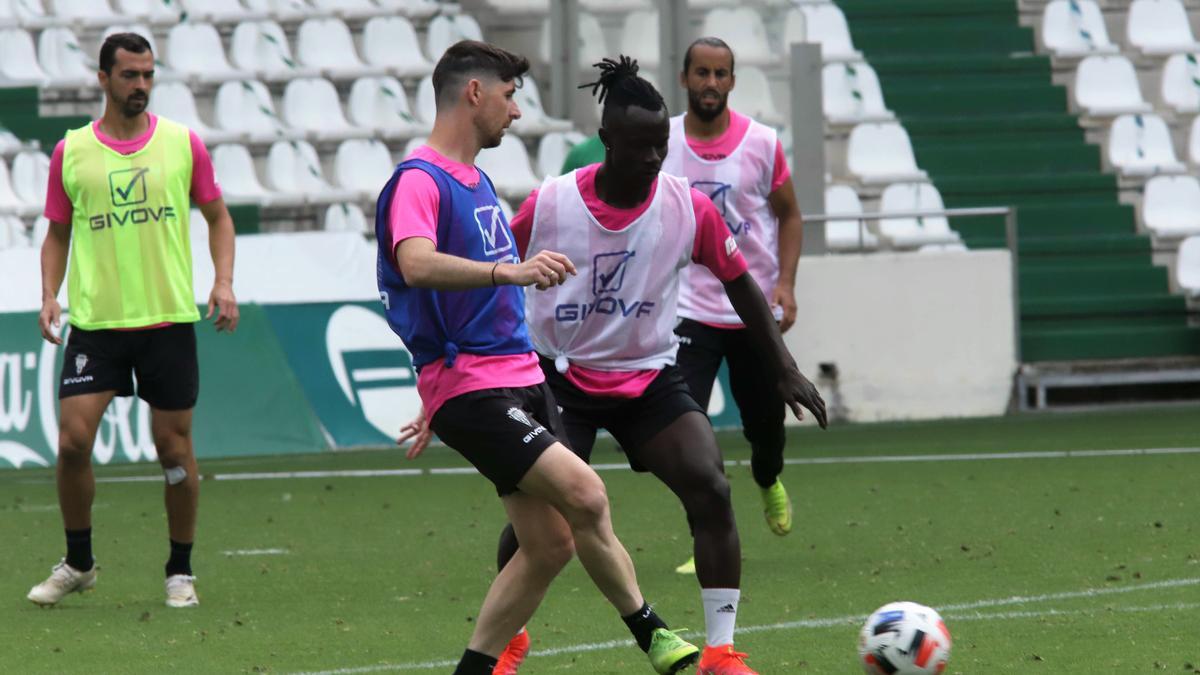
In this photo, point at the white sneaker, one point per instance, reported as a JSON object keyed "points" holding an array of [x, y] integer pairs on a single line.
{"points": [[181, 591], [63, 579]]}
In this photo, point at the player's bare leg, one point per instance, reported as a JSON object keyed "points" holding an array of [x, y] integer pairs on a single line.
{"points": [[172, 432]]}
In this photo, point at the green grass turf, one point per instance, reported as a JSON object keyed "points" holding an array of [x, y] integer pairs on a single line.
{"points": [[391, 570]]}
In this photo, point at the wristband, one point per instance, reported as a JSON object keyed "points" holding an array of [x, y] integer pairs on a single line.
{"points": [[494, 272]]}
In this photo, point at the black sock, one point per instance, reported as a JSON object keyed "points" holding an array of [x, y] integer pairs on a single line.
{"points": [[79, 549], [642, 624], [180, 561], [475, 663]]}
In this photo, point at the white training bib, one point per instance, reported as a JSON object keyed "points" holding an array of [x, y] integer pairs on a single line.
{"points": [[619, 313], [740, 187]]}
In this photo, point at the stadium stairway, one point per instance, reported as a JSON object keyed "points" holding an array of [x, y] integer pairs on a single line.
{"points": [[991, 129]]}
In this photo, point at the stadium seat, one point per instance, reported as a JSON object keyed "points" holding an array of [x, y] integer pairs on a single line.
{"points": [[1157, 27], [346, 217], [283, 10], [851, 94], [412, 145], [880, 153], [1187, 267], [220, 11], [445, 30], [520, 6], [640, 39], [294, 168], [30, 174], [826, 24], [245, 106], [8, 16], [752, 96], [742, 28], [10, 202], [954, 247], [795, 28], [94, 13], [914, 232], [18, 58], [12, 232], [592, 45], [1140, 145], [351, 9], [155, 12], [195, 51], [1171, 206], [9, 143], [534, 121], [41, 225], [239, 181], [553, 149], [174, 100], [1107, 86], [311, 105], [63, 60], [426, 101], [416, 9], [1074, 28], [508, 167], [31, 14], [391, 42], [260, 47], [363, 166], [326, 44], [850, 234], [1180, 83], [379, 103]]}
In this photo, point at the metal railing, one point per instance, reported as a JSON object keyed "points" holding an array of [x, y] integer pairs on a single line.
{"points": [[1010, 238]]}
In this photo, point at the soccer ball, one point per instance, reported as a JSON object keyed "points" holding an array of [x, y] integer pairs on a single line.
{"points": [[904, 638]]}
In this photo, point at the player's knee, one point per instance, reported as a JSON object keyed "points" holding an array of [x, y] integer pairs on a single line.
{"points": [[554, 551], [74, 444], [588, 502], [708, 497]]}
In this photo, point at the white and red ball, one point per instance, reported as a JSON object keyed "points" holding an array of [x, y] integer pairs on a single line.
{"points": [[904, 638]]}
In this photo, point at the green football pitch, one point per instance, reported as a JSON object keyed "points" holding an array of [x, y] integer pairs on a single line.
{"points": [[1064, 543]]}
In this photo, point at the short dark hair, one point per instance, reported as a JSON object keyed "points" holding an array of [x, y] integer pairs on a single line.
{"points": [[471, 57], [707, 41], [130, 42], [620, 86]]}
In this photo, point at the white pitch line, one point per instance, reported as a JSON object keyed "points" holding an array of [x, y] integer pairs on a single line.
{"points": [[256, 551], [853, 619]]}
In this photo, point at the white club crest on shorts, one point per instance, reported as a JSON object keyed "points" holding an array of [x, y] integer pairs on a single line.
{"points": [[519, 415], [80, 363]]}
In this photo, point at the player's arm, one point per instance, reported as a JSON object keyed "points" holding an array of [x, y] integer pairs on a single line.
{"points": [[221, 238], [54, 269], [423, 266], [791, 236]]}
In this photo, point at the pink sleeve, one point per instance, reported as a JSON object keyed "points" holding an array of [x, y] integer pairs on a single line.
{"points": [[715, 247], [58, 204], [781, 173], [522, 223], [414, 208], [204, 178]]}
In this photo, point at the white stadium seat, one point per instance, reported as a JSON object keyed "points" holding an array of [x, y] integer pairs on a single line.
{"points": [[283, 10], [41, 226], [534, 120], [851, 94], [352, 9], [391, 42], [1193, 152], [826, 24], [640, 39], [9, 143], [445, 30], [311, 105], [592, 46], [1157, 27], [234, 169], [326, 44], [422, 9], [882, 153], [1171, 206], [294, 168], [220, 11], [30, 174], [1187, 266], [94, 13], [508, 167], [63, 60], [752, 96], [174, 100], [742, 28], [18, 58], [10, 201], [261, 47], [363, 166], [553, 149], [1106, 86], [31, 14], [426, 101], [246, 106], [795, 28], [914, 232], [520, 6], [195, 50], [1180, 83], [151, 11], [380, 104], [1074, 28], [1140, 145], [850, 234], [346, 217], [12, 232]]}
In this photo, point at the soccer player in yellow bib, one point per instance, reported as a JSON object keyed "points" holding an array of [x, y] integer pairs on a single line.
{"points": [[118, 199]]}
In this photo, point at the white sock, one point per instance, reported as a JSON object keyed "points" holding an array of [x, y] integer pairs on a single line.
{"points": [[720, 614]]}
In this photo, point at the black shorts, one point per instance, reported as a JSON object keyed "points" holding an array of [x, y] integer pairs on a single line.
{"points": [[163, 360], [502, 432], [631, 421]]}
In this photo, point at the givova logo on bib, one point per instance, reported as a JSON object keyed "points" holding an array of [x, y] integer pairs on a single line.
{"points": [[490, 220], [608, 278], [127, 192], [720, 194]]}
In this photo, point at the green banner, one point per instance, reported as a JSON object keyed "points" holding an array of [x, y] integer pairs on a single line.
{"points": [[250, 403]]}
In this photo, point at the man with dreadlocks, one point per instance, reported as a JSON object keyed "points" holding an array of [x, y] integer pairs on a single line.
{"points": [[606, 342]]}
